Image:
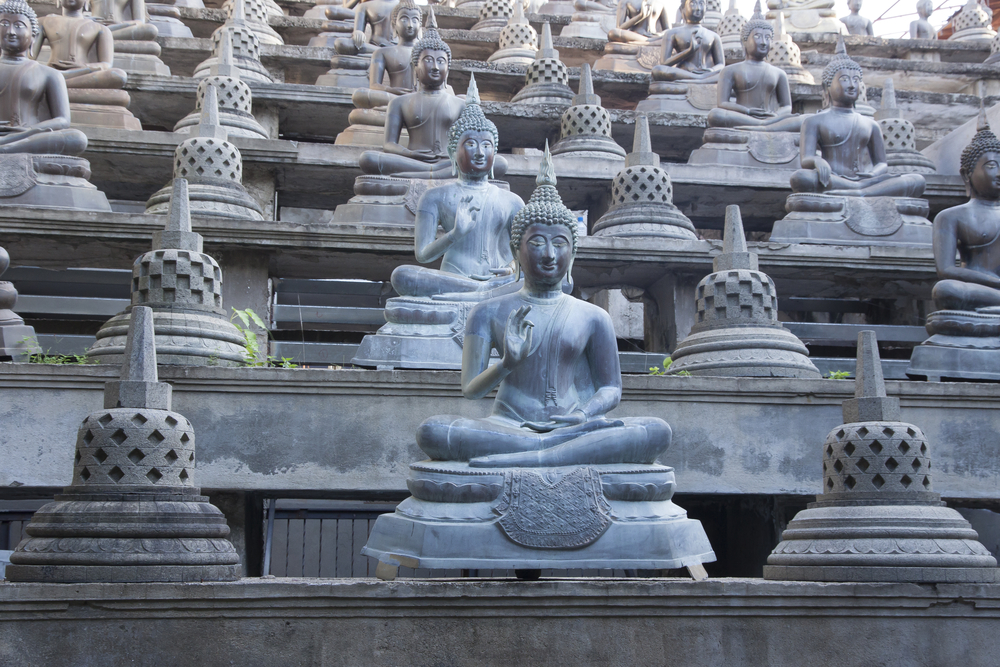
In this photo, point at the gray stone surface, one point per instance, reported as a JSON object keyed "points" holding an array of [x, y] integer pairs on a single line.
{"points": [[183, 286], [132, 512], [245, 43], [345, 440], [821, 218], [563, 623], [17, 341], [878, 518], [642, 197], [737, 332]]}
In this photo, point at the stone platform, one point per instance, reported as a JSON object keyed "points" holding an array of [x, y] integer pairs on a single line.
{"points": [[556, 623]]}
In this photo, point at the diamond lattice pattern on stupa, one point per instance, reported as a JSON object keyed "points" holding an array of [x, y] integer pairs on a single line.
{"points": [[876, 457], [140, 447]]}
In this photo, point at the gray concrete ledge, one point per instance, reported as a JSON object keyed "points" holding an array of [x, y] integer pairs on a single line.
{"points": [[334, 431], [745, 622]]}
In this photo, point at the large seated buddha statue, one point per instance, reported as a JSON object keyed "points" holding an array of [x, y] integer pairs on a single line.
{"points": [[816, 16], [844, 192], [40, 167], [83, 51], [634, 41], [964, 331], [691, 61], [136, 50], [752, 124], [390, 75], [426, 322], [548, 479], [373, 28]]}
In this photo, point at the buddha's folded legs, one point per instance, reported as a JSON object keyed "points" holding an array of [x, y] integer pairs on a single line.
{"points": [[114, 79], [347, 47], [390, 164], [369, 98], [489, 443], [726, 118], [409, 280], [959, 295], [141, 32], [884, 185], [59, 142], [627, 36], [668, 73]]}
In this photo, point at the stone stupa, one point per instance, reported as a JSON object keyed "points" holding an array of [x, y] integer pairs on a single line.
{"points": [[973, 22], [518, 41], [255, 13], [493, 15], [547, 80], [213, 168], [730, 28], [245, 45], [183, 286], [899, 137], [586, 126], [642, 196], [736, 331], [17, 340], [878, 518], [234, 96], [786, 55], [132, 512]]}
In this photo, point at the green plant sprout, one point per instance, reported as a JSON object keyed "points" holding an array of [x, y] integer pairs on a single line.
{"points": [[837, 375], [255, 345], [36, 355], [667, 362]]}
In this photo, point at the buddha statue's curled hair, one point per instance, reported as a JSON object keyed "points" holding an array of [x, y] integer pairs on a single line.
{"points": [[756, 21], [21, 7], [545, 207], [430, 40], [984, 142], [406, 4], [841, 61], [472, 120]]}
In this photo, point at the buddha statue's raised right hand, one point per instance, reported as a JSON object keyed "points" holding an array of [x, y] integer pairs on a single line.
{"points": [[517, 339]]}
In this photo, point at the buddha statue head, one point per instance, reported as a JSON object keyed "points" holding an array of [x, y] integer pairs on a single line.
{"points": [[842, 79], [980, 163], [546, 214], [924, 9], [18, 27], [431, 59], [693, 11], [472, 140], [406, 20], [756, 35]]}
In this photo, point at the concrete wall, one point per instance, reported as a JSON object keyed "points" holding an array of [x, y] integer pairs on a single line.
{"points": [[352, 430], [557, 623]]}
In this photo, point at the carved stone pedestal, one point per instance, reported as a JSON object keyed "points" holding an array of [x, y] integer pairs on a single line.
{"points": [[590, 25], [679, 98], [346, 72], [367, 128], [211, 197], [964, 345], [138, 57], [629, 57], [809, 20], [602, 516], [835, 220], [49, 181], [744, 148], [104, 115], [420, 333], [17, 340], [383, 200]]}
